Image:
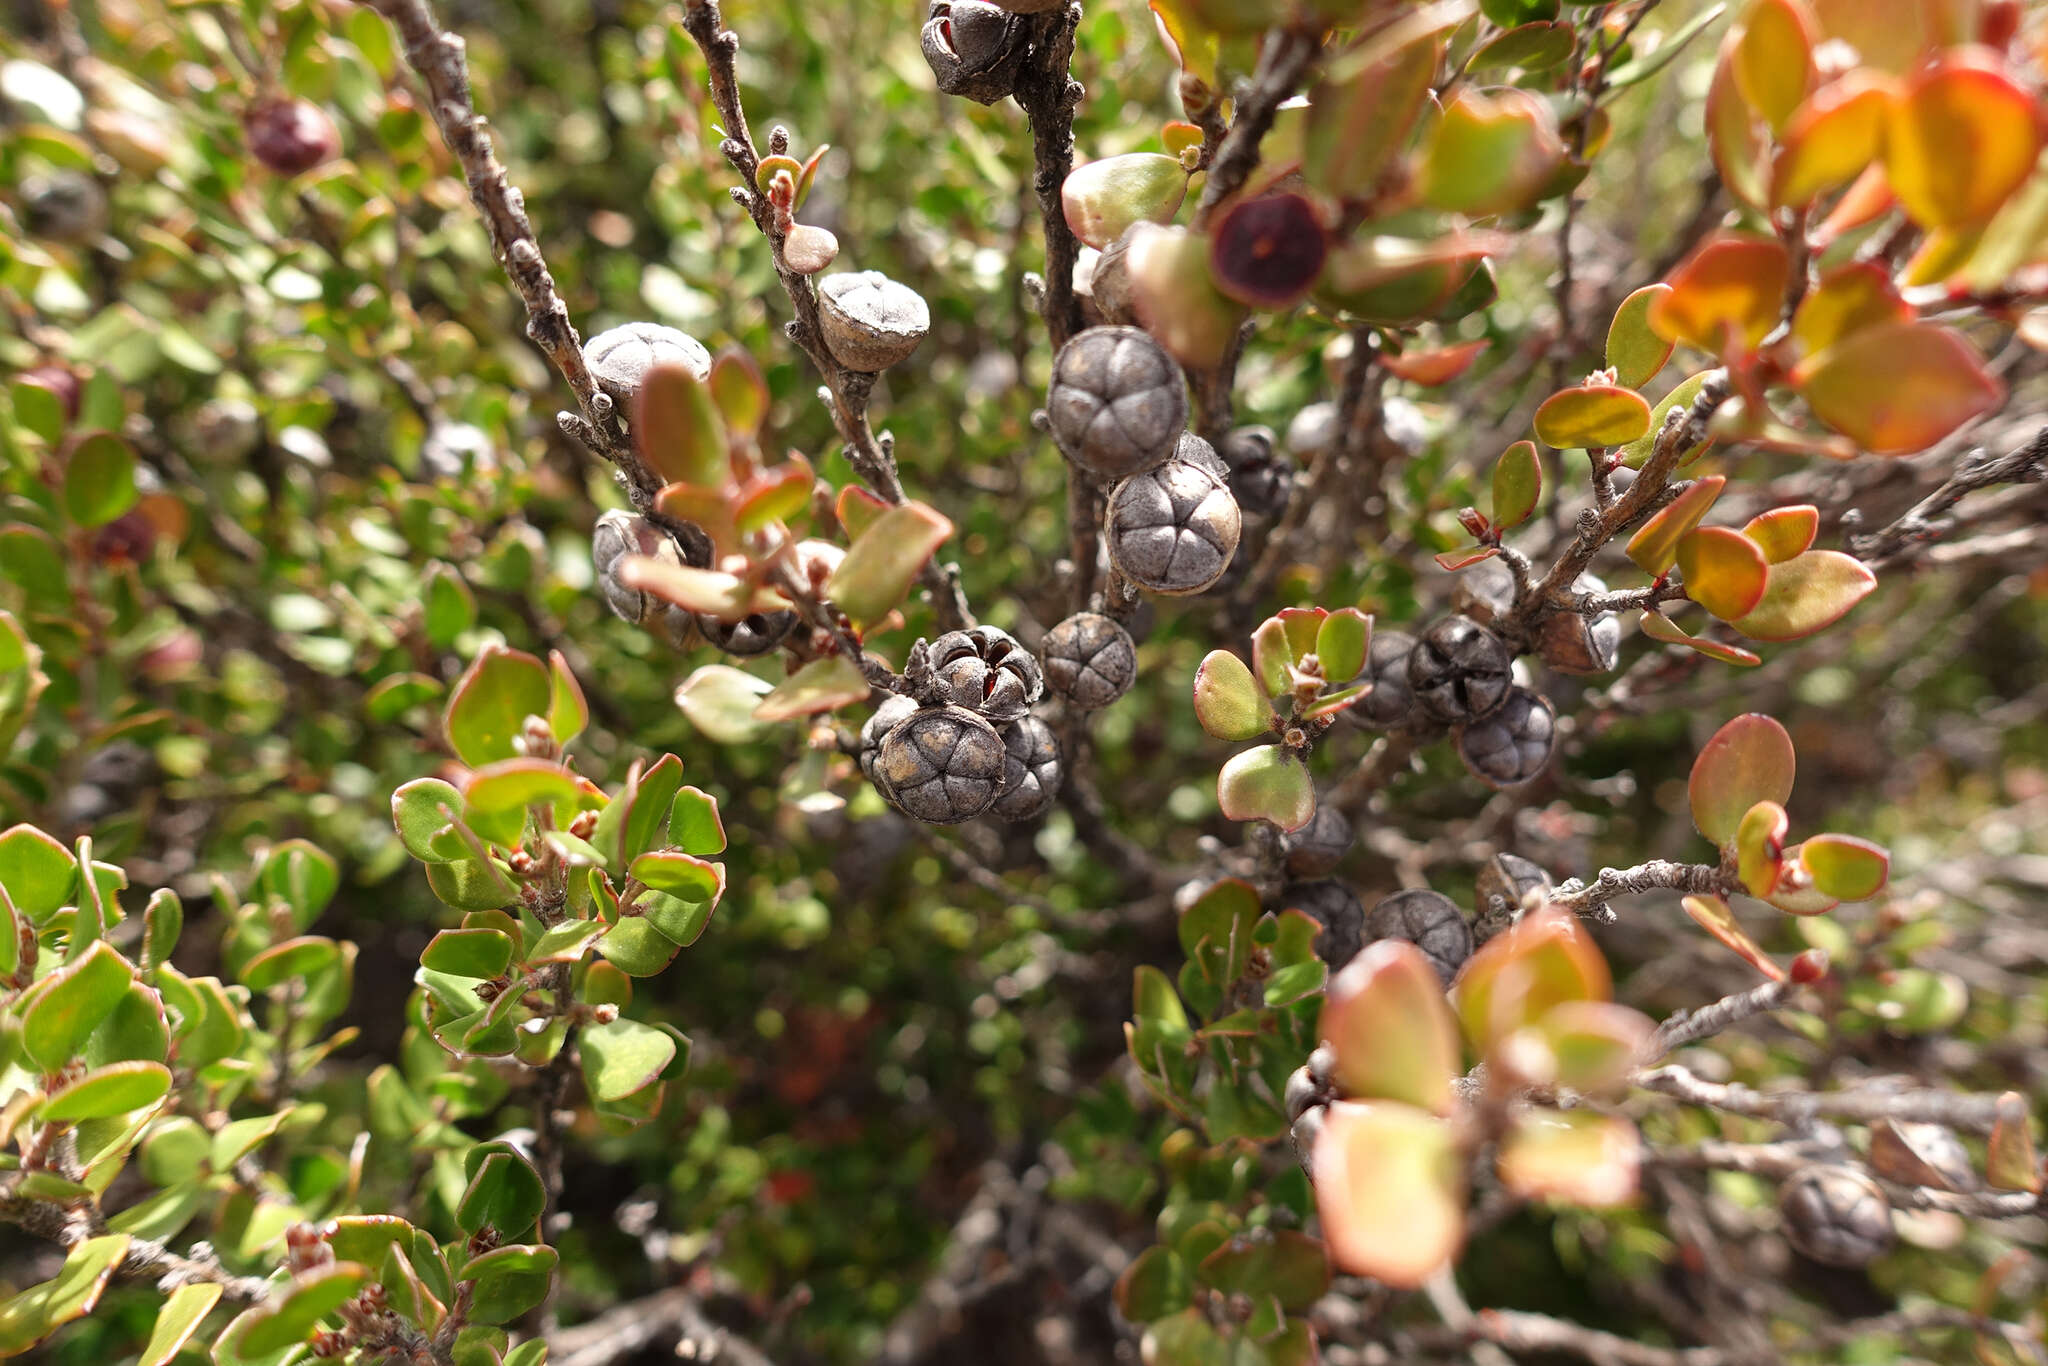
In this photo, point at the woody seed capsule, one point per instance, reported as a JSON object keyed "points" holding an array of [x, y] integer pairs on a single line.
{"points": [[974, 49], [1174, 529], [943, 765], [1391, 702], [620, 358], [1458, 671], [1089, 660], [870, 322], [893, 712], [1117, 401], [1332, 905], [1512, 745], [1032, 772], [1836, 1215], [1318, 847], [984, 670], [1430, 921]]}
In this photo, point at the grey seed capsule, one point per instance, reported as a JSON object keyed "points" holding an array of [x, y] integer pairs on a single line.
{"points": [[1921, 1155], [984, 670], [1089, 660], [1196, 451], [1317, 848], [1391, 702], [64, 206], [943, 765], [1458, 670], [1117, 402], [1303, 1134], [1261, 479], [1508, 879], [617, 534], [1512, 745], [870, 322], [974, 49], [893, 712], [1304, 1092], [620, 358], [1337, 909], [1032, 771], [754, 634], [1836, 1215], [1173, 530], [1430, 921]]}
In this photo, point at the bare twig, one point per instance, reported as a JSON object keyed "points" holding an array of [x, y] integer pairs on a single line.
{"points": [[1928, 520], [1696, 879], [1048, 94], [672, 1315], [1283, 61], [1957, 1109]]}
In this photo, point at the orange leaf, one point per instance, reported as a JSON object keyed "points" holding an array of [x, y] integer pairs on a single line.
{"points": [[1783, 533], [1713, 915], [1733, 287], [1961, 137], [1739, 140], [1870, 197], [1390, 1189], [1760, 848], [1393, 1034], [1748, 760], [1654, 547], [1898, 387], [1724, 570], [1772, 61], [1574, 1156], [1807, 593], [1832, 137], [1845, 300], [1518, 977], [1659, 627], [1438, 366], [1591, 415]]}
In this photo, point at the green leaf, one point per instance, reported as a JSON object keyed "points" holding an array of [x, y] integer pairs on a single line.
{"points": [[1845, 868], [678, 429], [694, 823], [1911, 1000], [884, 561], [1361, 113], [513, 785], [65, 1007], [480, 953], [568, 710], [1155, 1284], [303, 876], [680, 875], [1682, 394], [1760, 848], [116, 1089], [1642, 68], [237, 1139], [1267, 783], [416, 812], [1806, 594], [564, 943], [1341, 643], [393, 697], [31, 559], [504, 1191], [294, 960], [312, 1297], [1490, 153], [40, 874], [1228, 701], [1517, 486], [181, 1315], [38, 409], [824, 684], [1635, 353], [99, 480], [739, 391], [509, 1281], [1748, 760], [163, 922], [637, 948], [623, 1057], [41, 1310], [487, 711], [449, 608], [470, 884], [1291, 1267], [1103, 197], [719, 700]]}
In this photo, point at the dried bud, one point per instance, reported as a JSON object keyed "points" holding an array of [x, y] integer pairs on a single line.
{"points": [[943, 765], [1512, 745], [974, 49], [1173, 530], [1391, 702], [1458, 671], [1332, 905], [984, 670], [1118, 402], [64, 206], [1430, 921], [1317, 848], [870, 322], [290, 135], [1089, 660], [620, 358], [1836, 1215], [1032, 771]]}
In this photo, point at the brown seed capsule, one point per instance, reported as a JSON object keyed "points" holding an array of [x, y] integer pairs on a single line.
{"points": [[1261, 479], [974, 49], [1332, 905], [620, 358], [290, 135], [870, 322], [1430, 921], [984, 670], [1458, 671], [1575, 644], [754, 634], [943, 765], [1118, 402], [1391, 702], [1089, 660], [1110, 285], [617, 534], [1512, 745], [1921, 1155], [1173, 530], [1317, 848], [1032, 771], [1836, 1215], [1509, 880], [893, 712]]}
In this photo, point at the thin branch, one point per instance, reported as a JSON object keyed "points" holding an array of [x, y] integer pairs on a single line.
{"points": [[1958, 1110], [674, 1315], [1696, 879], [1690, 1026], [1048, 94], [1283, 61], [1519, 1331], [1928, 520], [146, 1259]]}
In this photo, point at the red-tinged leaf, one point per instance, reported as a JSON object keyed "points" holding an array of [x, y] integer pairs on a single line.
{"points": [[1267, 784], [1807, 593], [822, 685], [1795, 894], [1179, 136], [857, 510], [1228, 700], [1301, 626], [1454, 560], [1273, 656], [1833, 137], [1102, 198], [1288, 1266], [708, 509], [1176, 297], [1595, 1044], [1725, 572], [1402, 279], [1433, 367], [1390, 1190], [880, 567], [1394, 1036], [678, 430], [1360, 115], [1898, 387], [1844, 301], [1635, 353], [1737, 138], [1772, 60], [1341, 643], [1749, 760], [1574, 1157], [1659, 627], [1962, 136], [1713, 915], [2009, 1160], [1845, 867], [1654, 547], [1517, 485], [1784, 533], [1868, 197], [1729, 293], [1490, 153], [1760, 848], [708, 591], [489, 705], [739, 391], [778, 495], [1518, 977], [1941, 255], [1591, 415], [1887, 35]]}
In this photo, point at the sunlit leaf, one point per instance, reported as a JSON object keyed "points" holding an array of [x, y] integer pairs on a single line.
{"points": [[1844, 867], [1748, 760], [1760, 848], [1394, 1036], [1102, 198], [1590, 415], [1390, 1191], [824, 684], [1575, 1157], [1266, 783], [1228, 701], [1654, 547], [1784, 533], [1729, 292], [1805, 594], [1713, 915], [1634, 351], [882, 564], [1898, 387], [1490, 153], [1772, 59], [1833, 137], [1725, 572], [1962, 136]]}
